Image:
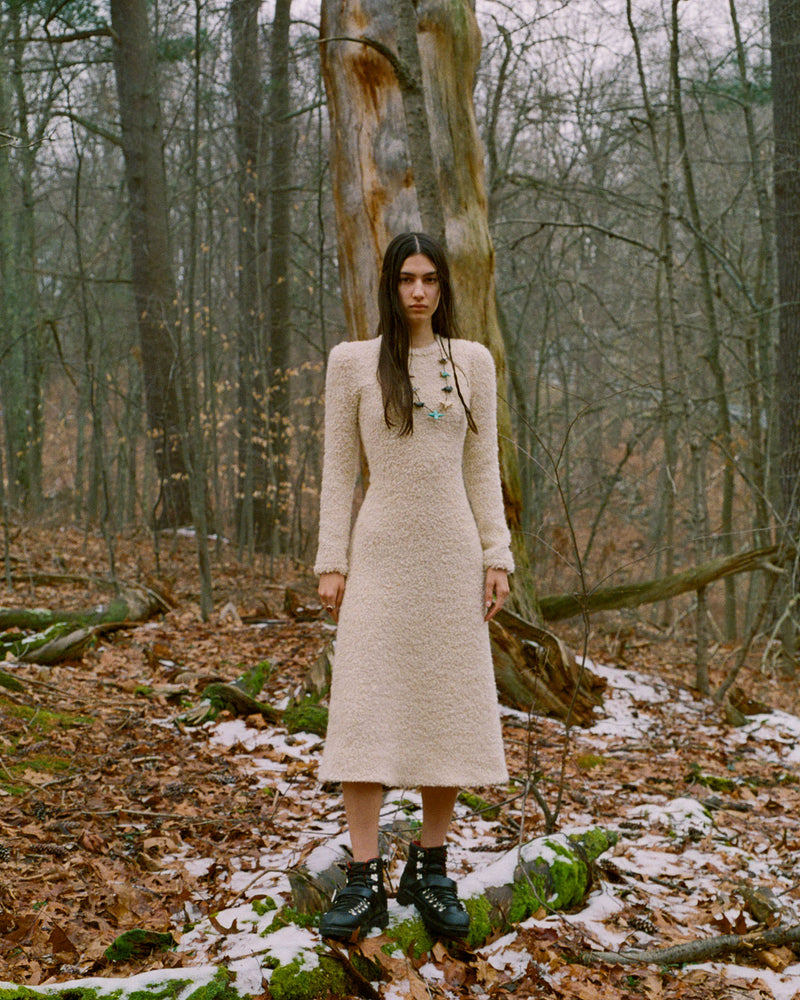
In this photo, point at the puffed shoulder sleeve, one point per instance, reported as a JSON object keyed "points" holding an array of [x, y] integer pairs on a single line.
{"points": [[482, 466], [340, 462]]}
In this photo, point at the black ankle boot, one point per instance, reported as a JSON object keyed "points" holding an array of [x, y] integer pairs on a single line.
{"points": [[424, 883], [359, 905]]}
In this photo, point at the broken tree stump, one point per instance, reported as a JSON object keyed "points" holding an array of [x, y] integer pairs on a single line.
{"points": [[534, 670]]}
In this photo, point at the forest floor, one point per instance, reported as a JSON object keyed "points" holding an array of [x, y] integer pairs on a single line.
{"points": [[115, 816]]}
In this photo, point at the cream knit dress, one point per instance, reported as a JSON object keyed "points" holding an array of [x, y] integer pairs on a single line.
{"points": [[413, 699]]}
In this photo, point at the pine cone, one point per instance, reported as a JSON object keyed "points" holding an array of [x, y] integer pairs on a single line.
{"points": [[5, 853], [54, 850], [611, 872], [642, 924]]}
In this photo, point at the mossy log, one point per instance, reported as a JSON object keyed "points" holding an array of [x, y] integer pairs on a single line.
{"points": [[238, 698], [548, 873], [65, 635], [533, 669], [631, 595], [132, 604]]}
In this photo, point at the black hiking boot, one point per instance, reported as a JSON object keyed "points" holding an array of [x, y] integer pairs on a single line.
{"points": [[359, 905], [424, 883]]}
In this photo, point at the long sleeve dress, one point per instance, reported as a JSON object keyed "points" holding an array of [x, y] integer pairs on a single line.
{"points": [[413, 699]]}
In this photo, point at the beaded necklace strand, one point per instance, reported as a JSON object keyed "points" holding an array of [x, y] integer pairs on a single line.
{"points": [[437, 412]]}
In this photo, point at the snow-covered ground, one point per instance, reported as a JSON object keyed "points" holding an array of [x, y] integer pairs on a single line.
{"points": [[677, 865]]}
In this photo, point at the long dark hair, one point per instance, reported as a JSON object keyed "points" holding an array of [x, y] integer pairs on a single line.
{"points": [[398, 398]]}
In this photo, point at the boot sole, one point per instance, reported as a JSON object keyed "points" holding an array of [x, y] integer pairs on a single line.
{"points": [[354, 936]]}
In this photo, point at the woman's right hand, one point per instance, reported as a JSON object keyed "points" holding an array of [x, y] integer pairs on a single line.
{"points": [[331, 592]]}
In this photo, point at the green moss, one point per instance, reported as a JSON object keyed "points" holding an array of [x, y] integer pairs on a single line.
{"points": [[558, 883], [479, 805], [712, 781], [20, 993], [42, 762], [13, 789], [218, 989], [161, 991], [137, 943], [306, 716], [571, 879], [41, 721], [409, 934], [264, 906], [252, 682], [529, 895], [480, 920], [297, 982], [68, 993], [588, 761], [288, 915], [10, 682], [595, 842]]}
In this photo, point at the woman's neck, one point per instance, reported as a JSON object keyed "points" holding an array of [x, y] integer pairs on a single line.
{"points": [[421, 336]]}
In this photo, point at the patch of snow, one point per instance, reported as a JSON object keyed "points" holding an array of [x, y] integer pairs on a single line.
{"points": [[592, 918], [430, 971], [784, 985], [327, 854], [501, 871], [501, 955], [292, 942], [199, 976], [249, 975], [197, 866], [682, 816]]}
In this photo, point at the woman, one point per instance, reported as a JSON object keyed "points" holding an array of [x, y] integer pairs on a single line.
{"points": [[413, 700]]}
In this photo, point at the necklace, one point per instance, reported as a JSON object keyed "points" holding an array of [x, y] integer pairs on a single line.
{"points": [[437, 412]]}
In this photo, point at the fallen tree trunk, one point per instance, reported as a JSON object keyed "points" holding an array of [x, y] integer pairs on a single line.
{"points": [[699, 951], [65, 635], [132, 603], [631, 595], [534, 670]]}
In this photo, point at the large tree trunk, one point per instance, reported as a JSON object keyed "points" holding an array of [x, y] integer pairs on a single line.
{"points": [[785, 37], [153, 282], [21, 372], [246, 84], [280, 133], [376, 171]]}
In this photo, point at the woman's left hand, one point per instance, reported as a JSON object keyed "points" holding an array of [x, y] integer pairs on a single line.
{"points": [[495, 592]]}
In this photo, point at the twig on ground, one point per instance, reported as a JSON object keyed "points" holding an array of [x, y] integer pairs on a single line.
{"points": [[699, 951]]}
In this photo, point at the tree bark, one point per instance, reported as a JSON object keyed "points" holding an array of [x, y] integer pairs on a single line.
{"points": [[631, 595], [280, 179], [711, 353], [704, 950], [21, 373], [153, 281], [375, 193], [785, 45], [246, 85]]}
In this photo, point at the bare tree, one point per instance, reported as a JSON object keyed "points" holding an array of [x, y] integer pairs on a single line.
{"points": [[153, 280], [785, 44]]}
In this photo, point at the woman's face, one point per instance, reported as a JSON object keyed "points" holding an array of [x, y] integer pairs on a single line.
{"points": [[418, 289]]}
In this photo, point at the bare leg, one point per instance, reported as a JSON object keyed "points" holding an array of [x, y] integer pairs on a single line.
{"points": [[437, 811], [362, 803]]}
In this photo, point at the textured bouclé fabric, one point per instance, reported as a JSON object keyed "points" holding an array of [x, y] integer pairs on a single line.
{"points": [[413, 699]]}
